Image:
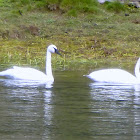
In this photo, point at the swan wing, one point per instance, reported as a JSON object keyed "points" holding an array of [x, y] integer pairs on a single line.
{"points": [[112, 76]]}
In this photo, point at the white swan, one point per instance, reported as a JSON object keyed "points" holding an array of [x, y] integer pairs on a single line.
{"points": [[116, 75], [30, 73]]}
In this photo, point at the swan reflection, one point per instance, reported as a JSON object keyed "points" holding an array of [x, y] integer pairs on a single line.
{"points": [[119, 103], [111, 86], [25, 83], [27, 109], [48, 113]]}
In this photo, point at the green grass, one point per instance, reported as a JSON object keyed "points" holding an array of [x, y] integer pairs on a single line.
{"points": [[115, 6], [70, 7], [88, 35]]}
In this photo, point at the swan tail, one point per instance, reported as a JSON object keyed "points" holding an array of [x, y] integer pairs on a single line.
{"points": [[2, 73], [6, 73]]}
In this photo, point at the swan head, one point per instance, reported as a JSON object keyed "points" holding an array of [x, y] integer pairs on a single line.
{"points": [[53, 49]]}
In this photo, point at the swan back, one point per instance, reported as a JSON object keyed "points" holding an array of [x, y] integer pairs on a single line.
{"points": [[112, 76], [24, 74]]}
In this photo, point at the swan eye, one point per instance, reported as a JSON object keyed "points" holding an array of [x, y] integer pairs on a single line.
{"points": [[56, 51]]}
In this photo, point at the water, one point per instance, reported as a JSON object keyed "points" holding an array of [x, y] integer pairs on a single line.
{"points": [[75, 108]]}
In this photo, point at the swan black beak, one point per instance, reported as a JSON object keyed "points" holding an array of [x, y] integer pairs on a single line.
{"points": [[56, 51]]}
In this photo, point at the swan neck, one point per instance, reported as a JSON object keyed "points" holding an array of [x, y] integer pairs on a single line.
{"points": [[48, 64], [137, 71]]}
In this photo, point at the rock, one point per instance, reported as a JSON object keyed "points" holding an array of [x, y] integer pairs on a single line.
{"points": [[136, 4]]}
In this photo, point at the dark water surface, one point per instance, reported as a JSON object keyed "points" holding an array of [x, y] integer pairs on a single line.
{"points": [[75, 108]]}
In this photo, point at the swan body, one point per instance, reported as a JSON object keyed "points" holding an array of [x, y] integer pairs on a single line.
{"points": [[116, 75], [24, 74], [30, 73]]}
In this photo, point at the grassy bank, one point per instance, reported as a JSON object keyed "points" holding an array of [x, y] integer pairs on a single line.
{"points": [[88, 38]]}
